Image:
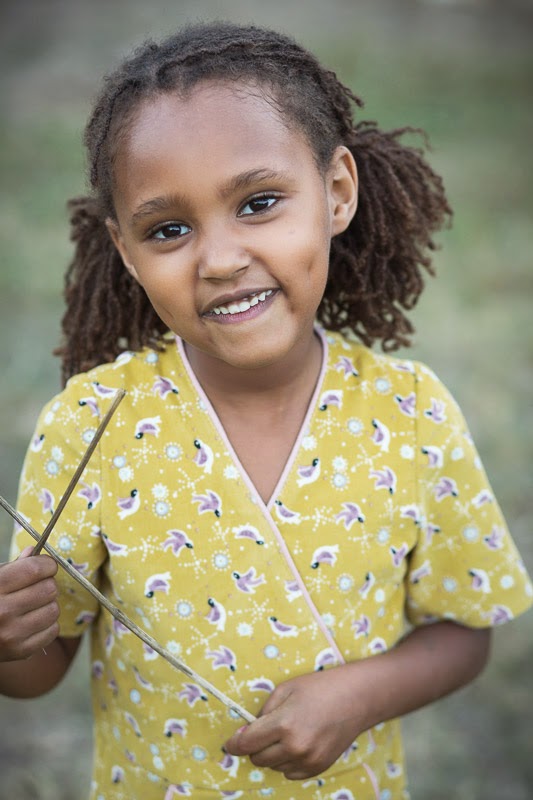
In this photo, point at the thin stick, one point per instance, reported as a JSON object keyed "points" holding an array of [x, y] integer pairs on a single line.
{"points": [[121, 617], [77, 475]]}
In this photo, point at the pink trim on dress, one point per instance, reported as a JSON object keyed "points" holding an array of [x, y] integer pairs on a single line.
{"points": [[253, 491]]}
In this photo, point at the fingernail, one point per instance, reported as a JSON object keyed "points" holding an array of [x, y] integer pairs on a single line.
{"points": [[242, 729]]}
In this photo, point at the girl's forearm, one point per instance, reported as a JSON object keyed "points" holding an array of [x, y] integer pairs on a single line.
{"points": [[429, 663], [32, 677]]}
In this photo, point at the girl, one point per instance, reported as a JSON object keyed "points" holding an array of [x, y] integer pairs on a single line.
{"points": [[305, 522]]}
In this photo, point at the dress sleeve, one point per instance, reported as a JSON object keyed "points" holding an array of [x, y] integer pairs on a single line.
{"points": [[64, 430], [465, 566]]}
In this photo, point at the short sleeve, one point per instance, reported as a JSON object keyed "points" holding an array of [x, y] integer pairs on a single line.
{"points": [[64, 430], [465, 566]]}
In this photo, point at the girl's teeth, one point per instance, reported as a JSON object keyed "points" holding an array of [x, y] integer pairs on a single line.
{"points": [[244, 305]]}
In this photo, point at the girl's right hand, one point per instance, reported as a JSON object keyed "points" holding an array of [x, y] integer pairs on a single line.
{"points": [[29, 610]]}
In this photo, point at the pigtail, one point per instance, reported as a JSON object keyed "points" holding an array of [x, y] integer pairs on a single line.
{"points": [[107, 310], [377, 264]]}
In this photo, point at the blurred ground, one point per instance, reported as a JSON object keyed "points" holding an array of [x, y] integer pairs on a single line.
{"points": [[461, 70]]}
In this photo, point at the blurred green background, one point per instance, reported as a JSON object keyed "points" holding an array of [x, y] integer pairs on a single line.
{"points": [[461, 70]]}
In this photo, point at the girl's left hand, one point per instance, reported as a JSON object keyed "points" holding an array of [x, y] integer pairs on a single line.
{"points": [[305, 725]]}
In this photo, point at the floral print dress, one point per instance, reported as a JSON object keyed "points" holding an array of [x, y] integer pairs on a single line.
{"points": [[383, 518]]}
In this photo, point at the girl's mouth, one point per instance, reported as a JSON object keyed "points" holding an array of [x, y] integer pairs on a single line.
{"points": [[243, 309]]}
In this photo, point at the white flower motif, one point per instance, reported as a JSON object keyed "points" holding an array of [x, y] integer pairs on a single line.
{"points": [[382, 385], [355, 426], [329, 620], [220, 560], [56, 405], [198, 753], [457, 454], [57, 454], [345, 583], [152, 358], [184, 608], [173, 451], [125, 474], [231, 472], [88, 435], [257, 776], [271, 651], [161, 508], [383, 536], [407, 452], [470, 533], [52, 467], [309, 442], [244, 629], [119, 461], [450, 584], [64, 543], [506, 581], [49, 418], [339, 480], [174, 647], [340, 464], [160, 491], [135, 696]]}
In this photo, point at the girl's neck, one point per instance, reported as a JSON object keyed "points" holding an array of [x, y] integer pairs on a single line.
{"points": [[273, 386]]}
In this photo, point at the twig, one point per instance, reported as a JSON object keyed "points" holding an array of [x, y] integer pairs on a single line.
{"points": [[121, 617], [77, 475]]}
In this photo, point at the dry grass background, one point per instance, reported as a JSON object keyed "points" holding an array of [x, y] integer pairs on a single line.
{"points": [[463, 71]]}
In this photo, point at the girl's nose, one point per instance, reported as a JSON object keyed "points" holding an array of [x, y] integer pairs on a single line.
{"points": [[221, 257]]}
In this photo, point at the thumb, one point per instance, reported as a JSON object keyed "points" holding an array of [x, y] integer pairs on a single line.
{"points": [[26, 552], [276, 699]]}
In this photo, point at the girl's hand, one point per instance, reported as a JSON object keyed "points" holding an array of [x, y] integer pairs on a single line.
{"points": [[305, 725], [28, 607]]}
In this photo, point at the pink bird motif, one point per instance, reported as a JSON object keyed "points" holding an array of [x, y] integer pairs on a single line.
{"points": [[178, 790], [247, 583], [361, 626], [434, 454], [83, 567], [393, 770], [117, 774], [209, 502], [407, 405], [157, 583], [149, 653], [91, 403], [500, 614], [204, 457], [261, 685], [482, 498], [420, 572], [308, 474], [431, 530], [326, 554], [248, 532], [437, 412], [351, 513], [119, 629], [37, 443], [385, 479], [97, 669], [292, 590], [175, 726], [494, 539], [129, 505], [377, 645], [177, 541], [381, 435], [223, 657], [217, 614], [367, 585], [446, 487], [331, 398], [285, 514], [132, 722], [90, 493], [142, 681], [191, 694], [232, 795], [148, 425], [103, 391], [342, 794], [326, 658], [281, 629], [480, 580], [411, 512], [85, 617], [164, 387], [398, 554], [47, 501], [229, 764], [346, 366], [113, 548]]}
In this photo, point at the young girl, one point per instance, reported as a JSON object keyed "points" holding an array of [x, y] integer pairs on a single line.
{"points": [[305, 522]]}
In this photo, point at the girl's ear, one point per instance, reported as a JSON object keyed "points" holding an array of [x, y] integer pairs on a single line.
{"points": [[342, 184], [118, 241]]}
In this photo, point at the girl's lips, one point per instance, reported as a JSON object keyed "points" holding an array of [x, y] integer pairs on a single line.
{"points": [[249, 312]]}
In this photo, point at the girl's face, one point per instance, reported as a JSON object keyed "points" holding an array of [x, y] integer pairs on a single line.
{"points": [[225, 220]]}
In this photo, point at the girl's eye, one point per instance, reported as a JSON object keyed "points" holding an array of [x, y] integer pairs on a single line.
{"points": [[257, 204], [172, 230]]}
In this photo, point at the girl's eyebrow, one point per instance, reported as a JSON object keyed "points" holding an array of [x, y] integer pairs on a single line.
{"points": [[241, 181]]}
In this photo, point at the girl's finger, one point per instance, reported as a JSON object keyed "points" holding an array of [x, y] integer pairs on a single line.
{"points": [[273, 757]]}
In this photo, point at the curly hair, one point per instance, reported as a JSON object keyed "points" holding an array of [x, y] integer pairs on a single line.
{"points": [[376, 265]]}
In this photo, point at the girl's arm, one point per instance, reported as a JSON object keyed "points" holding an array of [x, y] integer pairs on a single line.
{"points": [[33, 659], [308, 722]]}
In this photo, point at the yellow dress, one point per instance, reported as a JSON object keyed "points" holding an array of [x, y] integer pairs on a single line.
{"points": [[382, 518]]}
